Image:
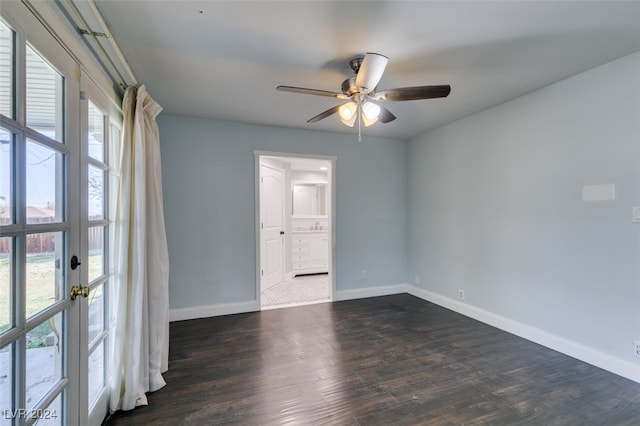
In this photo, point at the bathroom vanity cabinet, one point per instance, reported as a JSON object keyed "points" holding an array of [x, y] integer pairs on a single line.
{"points": [[310, 251]]}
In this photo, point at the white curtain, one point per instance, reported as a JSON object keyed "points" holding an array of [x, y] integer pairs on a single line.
{"points": [[140, 342]]}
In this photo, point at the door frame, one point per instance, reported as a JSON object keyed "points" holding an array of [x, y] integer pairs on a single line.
{"points": [[331, 217]]}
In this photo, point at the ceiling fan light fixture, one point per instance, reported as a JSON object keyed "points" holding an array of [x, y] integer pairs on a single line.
{"points": [[347, 113], [370, 113], [368, 122]]}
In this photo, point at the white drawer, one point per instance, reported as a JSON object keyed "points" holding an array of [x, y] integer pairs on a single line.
{"points": [[299, 257], [298, 240], [299, 266], [300, 249]]}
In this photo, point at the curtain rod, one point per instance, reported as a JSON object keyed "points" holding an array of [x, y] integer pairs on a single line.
{"points": [[114, 45], [83, 15]]}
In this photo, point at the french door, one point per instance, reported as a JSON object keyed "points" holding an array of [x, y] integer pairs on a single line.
{"points": [[55, 137], [100, 138]]}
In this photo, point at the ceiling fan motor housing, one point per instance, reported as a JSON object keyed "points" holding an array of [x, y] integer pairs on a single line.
{"points": [[349, 86]]}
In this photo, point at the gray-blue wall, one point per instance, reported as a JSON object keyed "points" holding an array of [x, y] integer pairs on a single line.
{"points": [[209, 199], [490, 204], [495, 209]]}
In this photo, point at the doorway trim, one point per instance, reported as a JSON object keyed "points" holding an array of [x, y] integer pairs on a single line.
{"points": [[331, 217]]}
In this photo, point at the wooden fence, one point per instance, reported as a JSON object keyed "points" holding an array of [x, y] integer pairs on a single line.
{"points": [[46, 242]]}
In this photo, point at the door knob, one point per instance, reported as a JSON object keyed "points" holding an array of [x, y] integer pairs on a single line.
{"points": [[281, 232], [78, 290]]}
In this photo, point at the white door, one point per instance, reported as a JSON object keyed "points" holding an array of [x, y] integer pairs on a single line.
{"points": [[271, 226], [100, 140]]}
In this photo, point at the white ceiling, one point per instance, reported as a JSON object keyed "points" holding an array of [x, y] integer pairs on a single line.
{"points": [[224, 59]]}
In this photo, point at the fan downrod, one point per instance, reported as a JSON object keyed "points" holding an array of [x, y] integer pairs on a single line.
{"points": [[355, 63]]}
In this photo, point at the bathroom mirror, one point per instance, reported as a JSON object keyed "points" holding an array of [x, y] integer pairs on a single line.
{"points": [[309, 199]]}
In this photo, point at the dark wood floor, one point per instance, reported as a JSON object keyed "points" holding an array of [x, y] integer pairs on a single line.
{"points": [[380, 361]]}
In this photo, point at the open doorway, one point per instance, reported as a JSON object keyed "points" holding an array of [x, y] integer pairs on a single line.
{"points": [[294, 221]]}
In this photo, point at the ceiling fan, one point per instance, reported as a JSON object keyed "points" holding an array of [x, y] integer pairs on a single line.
{"points": [[360, 92]]}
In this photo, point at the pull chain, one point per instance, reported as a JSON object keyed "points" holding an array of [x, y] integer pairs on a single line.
{"points": [[359, 121]]}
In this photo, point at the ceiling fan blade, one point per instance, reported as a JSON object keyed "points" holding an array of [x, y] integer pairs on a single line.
{"points": [[385, 115], [371, 71], [413, 93], [306, 91], [324, 114]]}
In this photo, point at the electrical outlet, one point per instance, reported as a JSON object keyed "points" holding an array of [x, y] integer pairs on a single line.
{"points": [[364, 274], [461, 294], [417, 280], [636, 347]]}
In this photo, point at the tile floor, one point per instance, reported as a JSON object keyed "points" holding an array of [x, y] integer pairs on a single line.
{"points": [[301, 290]]}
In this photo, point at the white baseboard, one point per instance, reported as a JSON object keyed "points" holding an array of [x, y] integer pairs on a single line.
{"points": [[206, 311], [583, 353], [195, 312], [361, 293]]}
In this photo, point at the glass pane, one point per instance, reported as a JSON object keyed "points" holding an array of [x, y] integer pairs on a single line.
{"points": [[96, 312], [6, 71], [44, 359], [6, 384], [114, 180], [96, 373], [96, 132], [44, 96], [96, 193], [114, 146], [52, 415], [96, 252], [44, 184], [5, 284], [6, 207], [44, 276]]}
